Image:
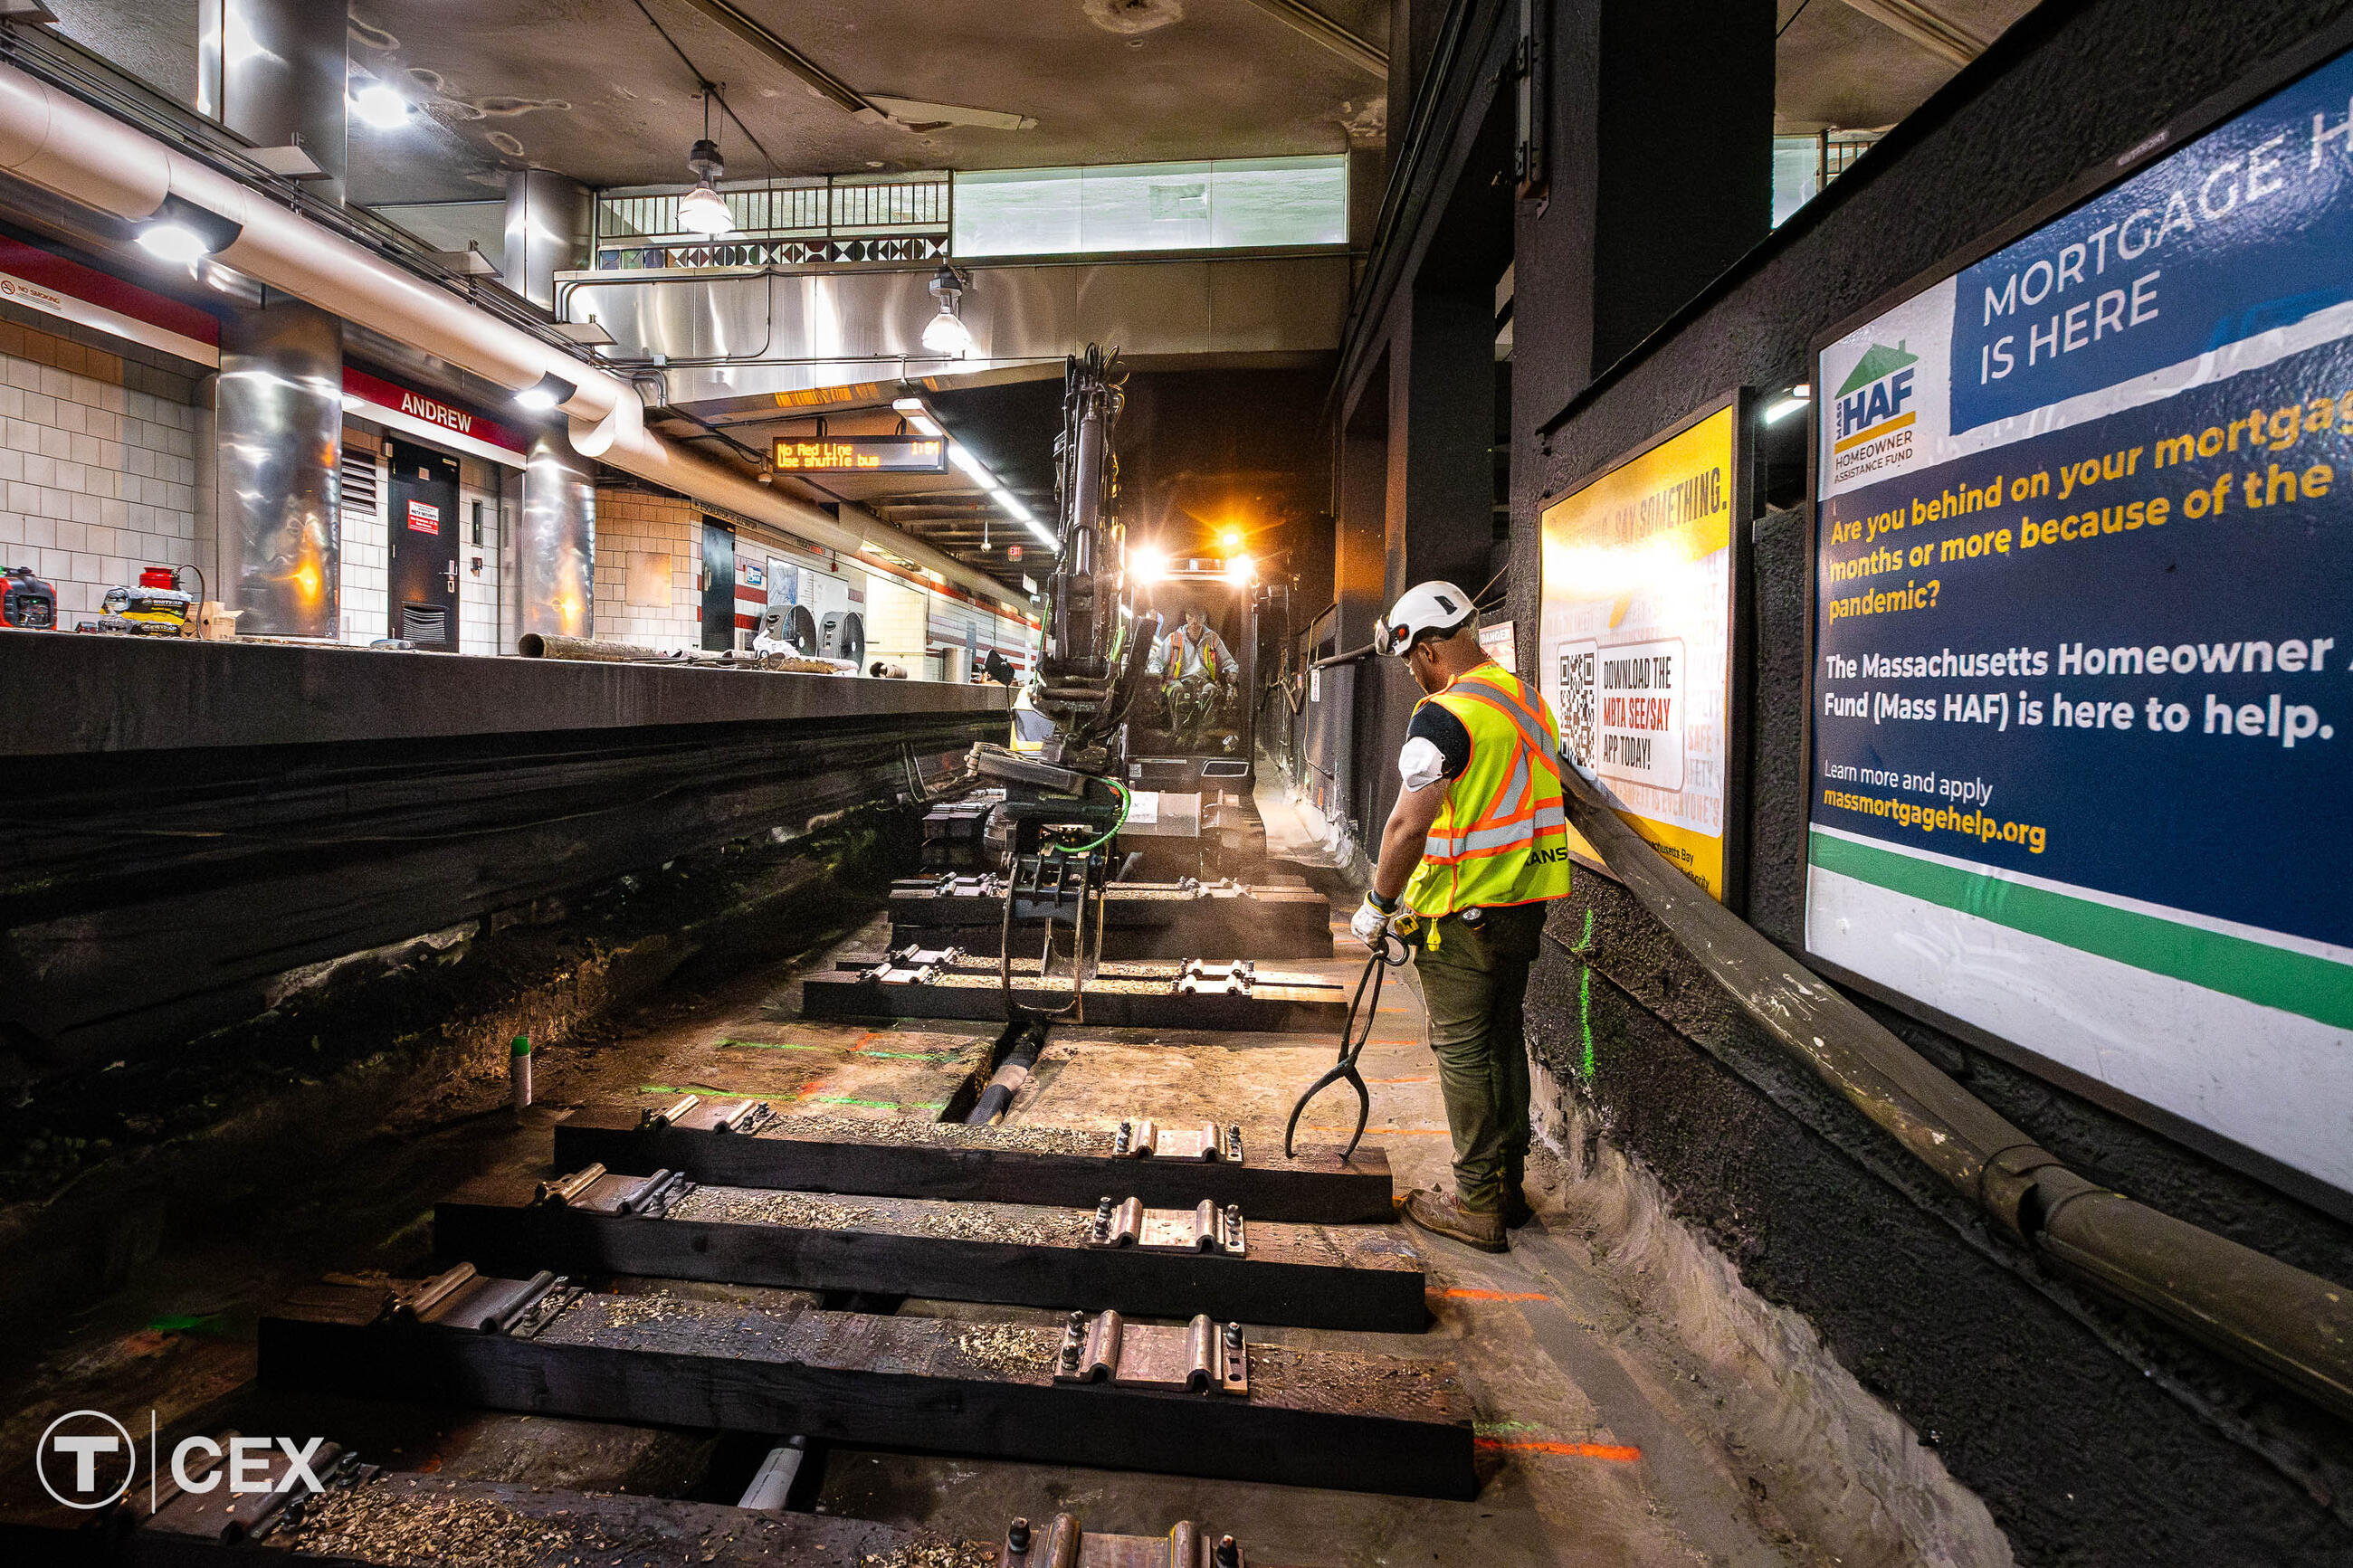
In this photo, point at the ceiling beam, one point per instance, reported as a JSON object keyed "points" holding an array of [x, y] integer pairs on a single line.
{"points": [[829, 87], [1358, 52], [1940, 36]]}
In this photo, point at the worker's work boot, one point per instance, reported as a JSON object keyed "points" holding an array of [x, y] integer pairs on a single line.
{"points": [[1440, 1215], [1517, 1210]]}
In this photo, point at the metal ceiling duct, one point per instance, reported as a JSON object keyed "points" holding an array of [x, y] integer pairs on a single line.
{"points": [[54, 141]]}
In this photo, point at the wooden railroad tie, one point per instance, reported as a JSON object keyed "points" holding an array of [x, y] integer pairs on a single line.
{"points": [[368, 1518], [1194, 994], [1141, 920], [1069, 1166], [1096, 1392], [1172, 1261]]}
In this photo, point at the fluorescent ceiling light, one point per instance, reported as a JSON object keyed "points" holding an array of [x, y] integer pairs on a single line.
{"points": [[382, 106], [1007, 502], [912, 409], [704, 211]]}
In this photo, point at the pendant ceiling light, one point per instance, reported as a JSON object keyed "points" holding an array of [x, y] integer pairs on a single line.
{"points": [[703, 210], [945, 333]]}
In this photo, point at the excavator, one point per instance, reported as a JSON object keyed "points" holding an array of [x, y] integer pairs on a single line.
{"points": [[1065, 804]]}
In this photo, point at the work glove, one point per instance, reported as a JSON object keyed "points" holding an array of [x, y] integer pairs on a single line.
{"points": [[1372, 919]]}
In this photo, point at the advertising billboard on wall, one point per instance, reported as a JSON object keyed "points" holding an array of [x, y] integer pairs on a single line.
{"points": [[1635, 647], [2082, 645]]}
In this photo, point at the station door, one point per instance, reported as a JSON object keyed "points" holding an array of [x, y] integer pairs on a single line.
{"points": [[422, 525]]}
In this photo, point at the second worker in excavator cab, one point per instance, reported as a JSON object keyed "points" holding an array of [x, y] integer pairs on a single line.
{"points": [[1197, 675]]}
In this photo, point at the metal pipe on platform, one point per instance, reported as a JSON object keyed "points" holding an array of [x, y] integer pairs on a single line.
{"points": [[2290, 1325]]}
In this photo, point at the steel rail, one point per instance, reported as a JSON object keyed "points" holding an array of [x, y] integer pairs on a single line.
{"points": [[2292, 1326]]}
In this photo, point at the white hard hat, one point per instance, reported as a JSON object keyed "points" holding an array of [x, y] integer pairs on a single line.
{"points": [[1439, 609]]}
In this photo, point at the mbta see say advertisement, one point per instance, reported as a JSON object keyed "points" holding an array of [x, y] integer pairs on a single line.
{"points": [[2082, 698], [1634, 646]]}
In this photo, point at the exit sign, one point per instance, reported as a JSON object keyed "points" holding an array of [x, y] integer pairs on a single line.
{"points": [[861, 455]]}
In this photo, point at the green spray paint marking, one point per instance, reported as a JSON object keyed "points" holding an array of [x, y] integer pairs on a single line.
{"points": [[1584, 997], [184, 1324], [1501, 1428], [797, 1046], [874, 1104], [695, 1089]]}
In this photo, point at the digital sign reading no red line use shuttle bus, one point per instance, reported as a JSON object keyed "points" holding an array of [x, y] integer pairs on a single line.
{"points": [[861, 455]]}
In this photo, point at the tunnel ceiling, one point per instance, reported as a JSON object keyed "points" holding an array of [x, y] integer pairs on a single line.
{"points": [[589, 89], [1837, 68]]}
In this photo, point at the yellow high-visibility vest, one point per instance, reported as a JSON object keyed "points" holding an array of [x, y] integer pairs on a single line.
{"points": [[1502, 838]]}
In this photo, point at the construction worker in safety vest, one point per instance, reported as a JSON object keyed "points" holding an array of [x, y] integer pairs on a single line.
{"points": [[1197, 674], [1476, 849]]}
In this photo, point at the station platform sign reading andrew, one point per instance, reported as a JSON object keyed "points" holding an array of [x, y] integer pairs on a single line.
{"points": [[2082, 697], [1634, 645]]}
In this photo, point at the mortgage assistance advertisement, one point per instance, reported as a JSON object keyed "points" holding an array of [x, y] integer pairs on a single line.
{"points": [[1634, 643], [2082, 688]]}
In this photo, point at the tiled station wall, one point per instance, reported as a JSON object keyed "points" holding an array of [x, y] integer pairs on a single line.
{"points": [[97, 462]]}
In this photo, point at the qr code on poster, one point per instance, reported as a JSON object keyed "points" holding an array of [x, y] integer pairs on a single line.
{"points": [[1576, 665]]}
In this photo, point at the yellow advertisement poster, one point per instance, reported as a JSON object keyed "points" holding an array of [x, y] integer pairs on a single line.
{"points": [[1635, 644]]}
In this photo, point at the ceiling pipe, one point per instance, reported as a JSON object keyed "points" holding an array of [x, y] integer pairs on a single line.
{"points": [[52, 140]]}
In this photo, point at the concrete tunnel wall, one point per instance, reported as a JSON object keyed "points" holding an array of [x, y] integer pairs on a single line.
{"points": [[2093, 1434]]}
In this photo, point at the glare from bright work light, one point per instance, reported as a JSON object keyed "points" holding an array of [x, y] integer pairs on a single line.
{"points": [[704, 211], [1240, 570], [174, 242], [381, 107], [945, 333], [1798, 398], [1230, 540], [1148, 564]]}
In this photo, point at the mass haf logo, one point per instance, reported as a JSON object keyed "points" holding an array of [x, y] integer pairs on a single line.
{"points": [[1875, 394]]}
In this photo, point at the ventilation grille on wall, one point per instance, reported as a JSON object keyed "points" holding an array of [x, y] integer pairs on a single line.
{"points": [[424, 624], [359, 483]]}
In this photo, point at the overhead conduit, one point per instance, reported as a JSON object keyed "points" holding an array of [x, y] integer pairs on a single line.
{"points": [[52, 140]]}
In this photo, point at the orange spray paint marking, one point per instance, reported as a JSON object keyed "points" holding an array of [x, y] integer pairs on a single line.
{"points": [[1496, 1295], [1400, 1081], [1615, 1452]]}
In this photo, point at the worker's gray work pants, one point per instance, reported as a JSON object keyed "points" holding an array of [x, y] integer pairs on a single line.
{"points": [[1474, 982]]}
